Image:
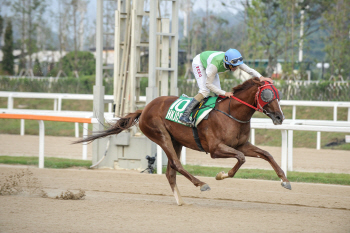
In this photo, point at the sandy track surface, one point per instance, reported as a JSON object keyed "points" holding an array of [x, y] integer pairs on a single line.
{"points": [[28, 145], [127, 201], [304, 159]]}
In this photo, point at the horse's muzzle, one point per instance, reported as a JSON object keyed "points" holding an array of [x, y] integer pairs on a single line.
{"points": [[277, 118]]}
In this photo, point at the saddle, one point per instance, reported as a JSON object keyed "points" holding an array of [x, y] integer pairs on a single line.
{"points": [[198, 113]]}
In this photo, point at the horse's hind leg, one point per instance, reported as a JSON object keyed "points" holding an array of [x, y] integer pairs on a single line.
{"points": [[158, 133], [171, 175], [175, 164]]}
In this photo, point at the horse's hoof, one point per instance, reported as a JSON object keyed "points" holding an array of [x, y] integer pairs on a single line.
{"points": [[205, 187], [286, 185], [220, 176]]}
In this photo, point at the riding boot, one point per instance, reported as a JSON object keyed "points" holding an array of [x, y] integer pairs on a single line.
{"points": [[185, 117]]}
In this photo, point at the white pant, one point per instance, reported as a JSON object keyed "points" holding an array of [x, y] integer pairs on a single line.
{"points": [[201, 76]]}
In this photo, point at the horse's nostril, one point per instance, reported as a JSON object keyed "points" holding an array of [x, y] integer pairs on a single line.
{"points": [[278, 117]]}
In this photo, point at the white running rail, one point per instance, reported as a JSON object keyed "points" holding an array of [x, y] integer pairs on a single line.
{"points": [[257, 123]]}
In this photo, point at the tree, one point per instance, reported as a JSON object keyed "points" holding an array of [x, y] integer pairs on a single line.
{"points": [[85, 61], [336, 22], [37, 68], [29, 13], [272, 25], [62, 17], [75, 10], [7, 49], [1, 27], [266, 23]]}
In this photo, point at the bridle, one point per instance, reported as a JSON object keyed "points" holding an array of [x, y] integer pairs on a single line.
{"points": [[261, 100]]}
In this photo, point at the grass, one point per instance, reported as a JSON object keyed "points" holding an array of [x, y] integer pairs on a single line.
{"points": [[49, 162], [306, 177], [67, 129]]}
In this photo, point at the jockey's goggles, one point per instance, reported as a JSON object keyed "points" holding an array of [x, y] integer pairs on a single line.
{"points": [[233, 61]]}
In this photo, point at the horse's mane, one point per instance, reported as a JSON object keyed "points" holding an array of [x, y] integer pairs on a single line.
{"points": [[246, 85]]}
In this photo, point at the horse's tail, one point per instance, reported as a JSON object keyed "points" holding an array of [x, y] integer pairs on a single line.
{"points": [[122, 124]]}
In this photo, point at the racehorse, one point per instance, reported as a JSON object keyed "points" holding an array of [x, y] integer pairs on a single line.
{"points": [[224, 134]]}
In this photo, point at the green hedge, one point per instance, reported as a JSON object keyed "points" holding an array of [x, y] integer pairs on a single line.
{"points": [[82, 85], [323, 91]]}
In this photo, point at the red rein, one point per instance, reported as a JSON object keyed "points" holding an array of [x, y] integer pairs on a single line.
{"points": [[260, 103]]}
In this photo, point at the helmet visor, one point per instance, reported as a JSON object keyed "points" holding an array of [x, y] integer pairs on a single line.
{"points": [[233, 61]]}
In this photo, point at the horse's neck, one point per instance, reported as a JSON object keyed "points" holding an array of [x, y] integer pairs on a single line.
{"points": [[243, 110]]}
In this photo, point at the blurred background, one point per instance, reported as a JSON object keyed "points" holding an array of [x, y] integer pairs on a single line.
{"points": [[304, 45]]}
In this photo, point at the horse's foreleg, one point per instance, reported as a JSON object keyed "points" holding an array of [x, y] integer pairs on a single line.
{"points": [[224, 151], [252, 151]]}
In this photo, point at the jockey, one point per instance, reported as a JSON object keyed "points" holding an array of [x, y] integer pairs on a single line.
{"points": [[206, 67]]}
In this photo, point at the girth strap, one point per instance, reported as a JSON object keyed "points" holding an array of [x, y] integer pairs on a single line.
{"points": [[196, 138]]}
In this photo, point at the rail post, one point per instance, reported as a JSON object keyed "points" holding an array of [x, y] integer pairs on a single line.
{"points": [[85, 134], [10, 102], [284, 153], [59, 104], [252, 136], [41, 143], [183, 156], [22, 127], [294, 112], [55, 104], [335, 112], [290, 149], [318, 143], [76, 129], [159, 160]]}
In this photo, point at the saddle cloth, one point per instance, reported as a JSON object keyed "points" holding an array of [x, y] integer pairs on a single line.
{"points": [[199, 113]]}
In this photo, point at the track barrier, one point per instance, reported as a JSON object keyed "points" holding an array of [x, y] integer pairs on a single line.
{"points": [[286, 129], [41, 119]]}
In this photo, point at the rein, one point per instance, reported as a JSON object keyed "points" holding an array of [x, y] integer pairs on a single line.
{"points": [[251, 106], [260, 109], [229, 115]]}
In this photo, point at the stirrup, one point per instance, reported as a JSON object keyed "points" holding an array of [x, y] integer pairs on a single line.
{"points": [[191, 124], [185, 122]]}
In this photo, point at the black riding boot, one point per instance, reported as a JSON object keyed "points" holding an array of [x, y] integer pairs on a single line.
{"points": [[185, 117]]}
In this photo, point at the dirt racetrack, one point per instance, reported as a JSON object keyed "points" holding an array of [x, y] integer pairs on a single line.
{"points": [[127, 201]]}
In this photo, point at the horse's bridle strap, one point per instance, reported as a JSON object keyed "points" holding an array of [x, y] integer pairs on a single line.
{"points": [[230, 116], [251, 106], [241, 101]]}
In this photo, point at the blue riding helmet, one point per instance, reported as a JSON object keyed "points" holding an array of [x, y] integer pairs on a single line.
{"points": [[233, 57]]}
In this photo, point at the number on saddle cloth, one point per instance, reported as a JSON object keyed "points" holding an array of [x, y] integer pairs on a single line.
{"points": [[199, 113]]}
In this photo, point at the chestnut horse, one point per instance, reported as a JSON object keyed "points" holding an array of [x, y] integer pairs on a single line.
{"points": [[224, 134]]}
